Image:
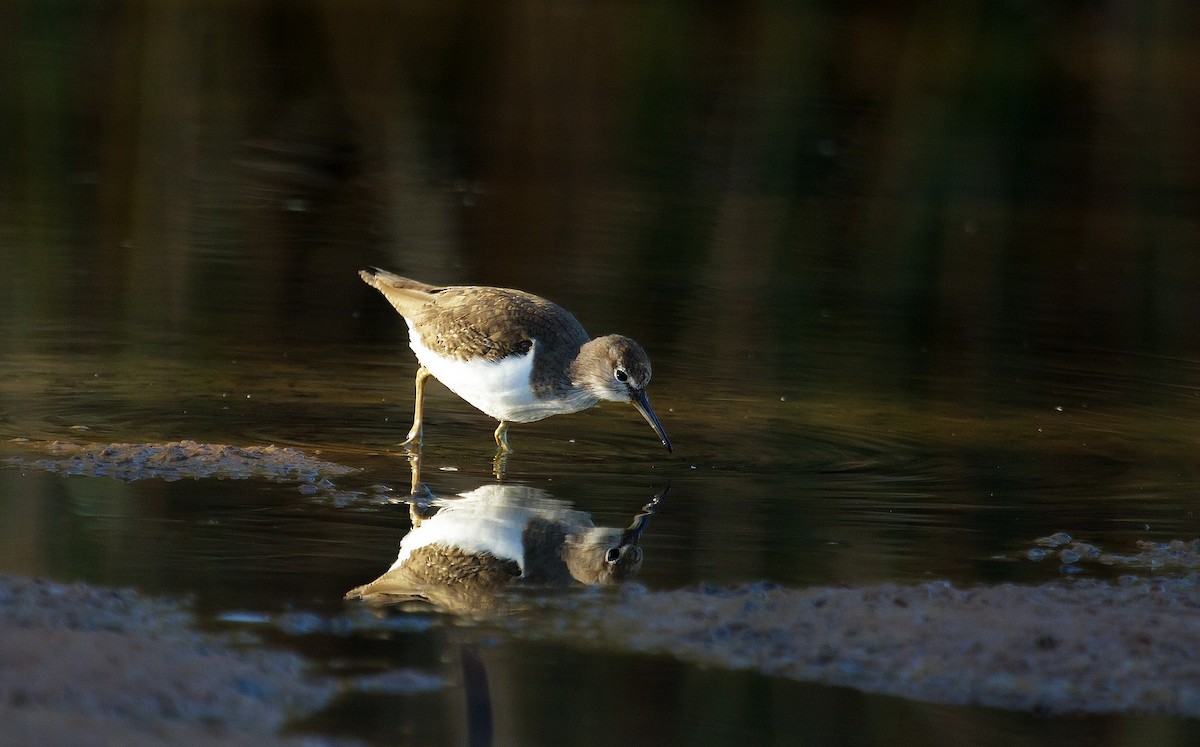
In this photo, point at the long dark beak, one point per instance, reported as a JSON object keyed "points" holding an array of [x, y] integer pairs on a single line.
{"points": [[642, 404]]}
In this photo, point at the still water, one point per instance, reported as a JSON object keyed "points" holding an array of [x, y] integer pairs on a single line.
{"points": [[919, 287]]}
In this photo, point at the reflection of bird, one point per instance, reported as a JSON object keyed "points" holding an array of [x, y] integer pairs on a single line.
{"points": [[480, 542], [513, 355]]}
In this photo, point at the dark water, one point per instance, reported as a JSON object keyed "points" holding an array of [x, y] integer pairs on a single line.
{"points": [[919, 285]]}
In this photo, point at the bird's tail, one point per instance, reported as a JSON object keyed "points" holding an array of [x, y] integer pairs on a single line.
{"points": [[382, 280], [405, 294]]}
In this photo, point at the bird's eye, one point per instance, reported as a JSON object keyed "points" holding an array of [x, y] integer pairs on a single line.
{"points": [[613, 555], [621, 375]]}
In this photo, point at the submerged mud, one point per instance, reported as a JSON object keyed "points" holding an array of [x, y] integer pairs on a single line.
{"points": [[188, 460], [1075, 556], [179, 460], [1070, 647]]}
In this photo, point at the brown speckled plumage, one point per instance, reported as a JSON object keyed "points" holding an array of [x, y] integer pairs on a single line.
{"points": [[494, 323], [445, 576]]}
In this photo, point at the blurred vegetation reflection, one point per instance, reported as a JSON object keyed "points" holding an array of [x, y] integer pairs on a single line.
{"points": [[969, 176]]}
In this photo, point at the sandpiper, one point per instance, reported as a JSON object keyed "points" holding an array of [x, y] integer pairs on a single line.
{"points": [[470, 547], [511, 354]]}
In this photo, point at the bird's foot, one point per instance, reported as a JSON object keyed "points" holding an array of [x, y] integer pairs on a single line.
{"points": [[412, 442]]}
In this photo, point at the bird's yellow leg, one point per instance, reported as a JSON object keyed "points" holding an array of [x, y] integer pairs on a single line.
{"points": [[414, 434], [501, 436], [500, 461]]}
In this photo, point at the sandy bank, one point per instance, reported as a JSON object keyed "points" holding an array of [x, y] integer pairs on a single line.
{"points": [[1070, 647], [87, 665]]}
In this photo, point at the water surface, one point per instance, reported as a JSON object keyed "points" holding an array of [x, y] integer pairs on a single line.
{"points": [[918, 286]]}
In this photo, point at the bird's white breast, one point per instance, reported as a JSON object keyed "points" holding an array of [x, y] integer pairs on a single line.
{"points": [[499, 388]]}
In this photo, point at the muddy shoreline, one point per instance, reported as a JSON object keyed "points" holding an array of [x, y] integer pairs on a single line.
{"points": [[78, 659], [123, 668], [1074, 647]]}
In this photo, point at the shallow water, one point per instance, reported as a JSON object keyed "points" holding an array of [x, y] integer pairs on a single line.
{"points": [[918, 287]]}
